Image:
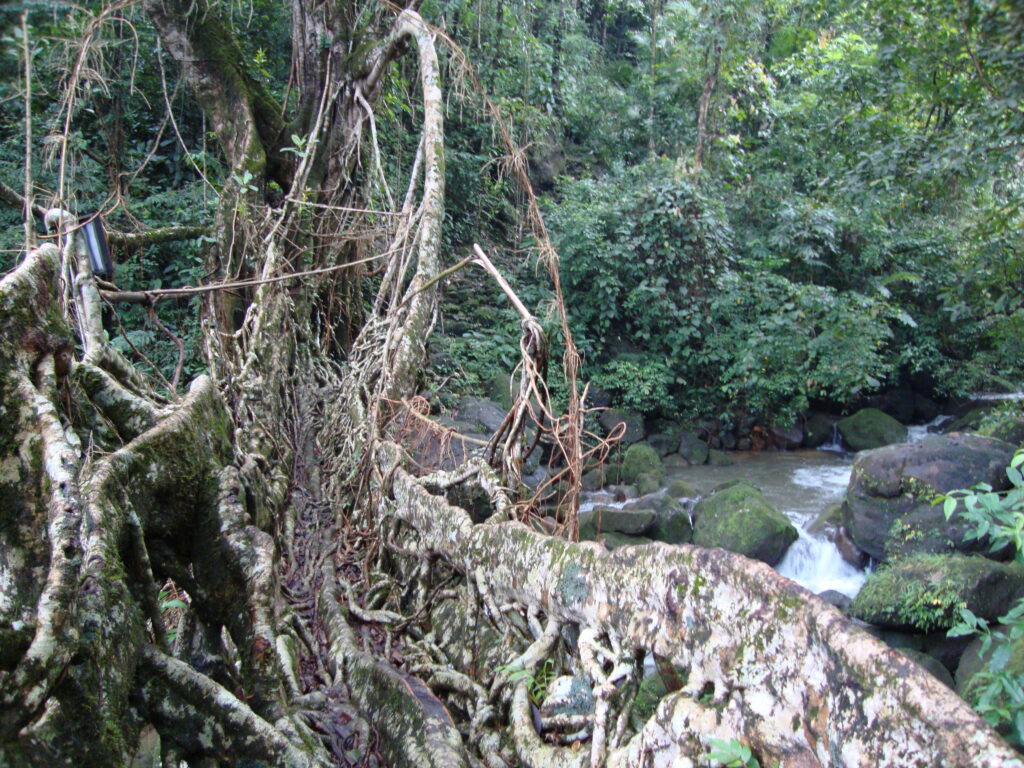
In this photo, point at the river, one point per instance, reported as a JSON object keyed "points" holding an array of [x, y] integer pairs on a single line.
{"points": [[800, 484]]}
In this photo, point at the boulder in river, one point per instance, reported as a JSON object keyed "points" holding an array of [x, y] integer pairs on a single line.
{"points": [[786, 436], [632, 521], [672, 522], [692, 448], [889, 507], [926, 592], [641, 459], [871, 428], [664, 443], [818, 429], [738, 518]]}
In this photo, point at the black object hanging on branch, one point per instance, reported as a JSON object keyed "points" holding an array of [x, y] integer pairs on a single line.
{"points": [[96, 244]]}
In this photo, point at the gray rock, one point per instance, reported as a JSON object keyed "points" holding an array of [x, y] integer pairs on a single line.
{"points": [[871, 428], [786, 436], [614, 540], [663, 443], [692, 448], [889, 506], [838, 599], [601, 519], [672, 523], [634, 424], [568, 695], [931, 664], [641, 459]]}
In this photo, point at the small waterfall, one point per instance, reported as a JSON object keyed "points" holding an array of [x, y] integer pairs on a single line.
{"points": [[919, 432], [815, 563], [835, 445]]}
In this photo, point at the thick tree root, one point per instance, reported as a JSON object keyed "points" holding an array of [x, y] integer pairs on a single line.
{"points": [[766, 660]]}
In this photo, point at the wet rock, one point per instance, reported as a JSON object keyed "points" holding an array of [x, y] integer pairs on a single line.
{"points": [[633, 421], [931, 664], [649, 482], [871, 428], [692, 448], [738, 518], [968, 420], [641, 459], [848, 550], [818, 429], [614, 540], [680, 489], [974, 661], [664, 444], [674, 461], [837, 599], [672, 523], [786, 436], [828, 522], [925, 592], [889, 506], [945, 649]]}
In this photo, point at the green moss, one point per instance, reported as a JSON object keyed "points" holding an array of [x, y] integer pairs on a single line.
{"points": [[738, 518], [641, 459], [926, 592]]}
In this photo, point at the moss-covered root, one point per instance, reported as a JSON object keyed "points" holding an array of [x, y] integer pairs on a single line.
{"points": [[414, 727], [766, 660], [207, 719]]}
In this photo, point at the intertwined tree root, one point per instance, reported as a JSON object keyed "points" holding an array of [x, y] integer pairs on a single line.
{"points": [[339, 609]]}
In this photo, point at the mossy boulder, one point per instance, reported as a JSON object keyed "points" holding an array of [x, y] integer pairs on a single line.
{"points": [[871, 428], [641, 459], [649, 482], [738, 518], [719, 459], [970, 420], [672, 522], [602, 519], [499, 389], [680, 489], [828, 522], [692, 448], [926, 592], [889, 507], [613, 540], [633, 421]]}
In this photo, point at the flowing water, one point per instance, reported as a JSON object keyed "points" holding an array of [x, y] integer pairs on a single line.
{"points": [[801, 485]]}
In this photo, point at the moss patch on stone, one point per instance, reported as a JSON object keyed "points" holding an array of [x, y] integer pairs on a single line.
{"points": [[738, 518]]}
